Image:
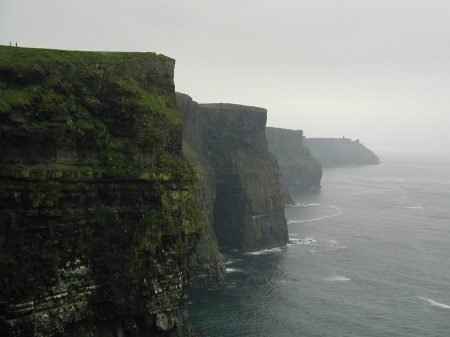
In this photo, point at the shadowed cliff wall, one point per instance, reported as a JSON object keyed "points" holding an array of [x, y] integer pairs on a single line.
{"points": [[99, 216], [209, 270], [248, 209], [300, 171]]}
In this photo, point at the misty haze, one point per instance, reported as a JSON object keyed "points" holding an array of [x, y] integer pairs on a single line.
{"points": [[227, 169]]}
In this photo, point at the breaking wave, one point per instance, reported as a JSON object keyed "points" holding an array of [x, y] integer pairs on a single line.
{"points": [[336, 278], [265, 251], [436, 304], [337, 209], [302, 241]]}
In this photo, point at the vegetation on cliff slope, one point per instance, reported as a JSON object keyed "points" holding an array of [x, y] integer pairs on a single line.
{"points": [[88, 99], [99, 213], [208, 266]]}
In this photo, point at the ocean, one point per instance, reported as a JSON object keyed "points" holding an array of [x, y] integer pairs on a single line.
{"points": [[370, 256]]}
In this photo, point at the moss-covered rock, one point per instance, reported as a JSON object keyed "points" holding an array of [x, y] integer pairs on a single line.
{"points": [[208, 265], [99, 215]]}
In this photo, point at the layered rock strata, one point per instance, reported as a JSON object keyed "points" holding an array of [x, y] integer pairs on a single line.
{"points": [[300, 171], [230, 142], [99, 216], [209, 270]]}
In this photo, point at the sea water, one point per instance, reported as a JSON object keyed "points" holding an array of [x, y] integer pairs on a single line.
{"points": [[370, 256]]}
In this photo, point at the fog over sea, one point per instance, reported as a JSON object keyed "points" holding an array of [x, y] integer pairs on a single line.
{"points": [[370, 256]]}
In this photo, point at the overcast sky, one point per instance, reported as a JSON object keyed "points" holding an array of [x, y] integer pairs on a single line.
{"points": [[374, 70]]}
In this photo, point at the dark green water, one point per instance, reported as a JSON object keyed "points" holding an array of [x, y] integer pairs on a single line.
{"points": [[370, 257]]}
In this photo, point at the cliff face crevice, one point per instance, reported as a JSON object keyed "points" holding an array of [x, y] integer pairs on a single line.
{"points": [[99, 212], [230, 142], [300, 171]]}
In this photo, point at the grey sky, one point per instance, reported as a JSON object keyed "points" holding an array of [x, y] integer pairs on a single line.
{"points": [[377, 70]]}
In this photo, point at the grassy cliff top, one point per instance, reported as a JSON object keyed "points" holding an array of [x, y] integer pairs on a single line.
{"points": [[89, 103], [25, 57]]}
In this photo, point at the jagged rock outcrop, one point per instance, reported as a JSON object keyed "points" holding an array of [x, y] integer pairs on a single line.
{"points": [[300, 171], [340, 152], [99, 217], [229, 139]]}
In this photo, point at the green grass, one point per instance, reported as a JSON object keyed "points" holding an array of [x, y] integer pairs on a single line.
{"points": [[57, 76], [31, 57], [75, 97], [148, 100], [14, 98], [193, 159]]}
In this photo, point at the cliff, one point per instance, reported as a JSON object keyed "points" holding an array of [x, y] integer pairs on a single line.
{"points": [[340, 151], [99, 216], [300, 171], [209, 270], [229, 140]]}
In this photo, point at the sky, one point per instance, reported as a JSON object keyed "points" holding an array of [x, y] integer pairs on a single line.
{"points": [[373, 70]]}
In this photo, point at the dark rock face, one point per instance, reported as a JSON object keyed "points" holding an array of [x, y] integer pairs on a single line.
{"points": [[340, 152], [248, 209], [209, 270], [99, 216], [300, 171]]}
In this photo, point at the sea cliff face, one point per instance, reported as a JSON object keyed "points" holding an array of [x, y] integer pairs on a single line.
{"points": [[248, 208], [340, 152], [99, 215], [300, 171], [208, 265]]}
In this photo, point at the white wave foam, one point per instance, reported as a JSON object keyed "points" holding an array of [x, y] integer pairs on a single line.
{"points": [[302, 241], [338, 211], [234, 270], [265, 251], [336, 278], [309, 240], [333, 245], [436, 304], [304, 204], [233, 260], [414, 207]]}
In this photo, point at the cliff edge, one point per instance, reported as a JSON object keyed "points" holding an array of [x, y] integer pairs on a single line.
{"points": [[99, 216], [209, 269], [248, 206]]}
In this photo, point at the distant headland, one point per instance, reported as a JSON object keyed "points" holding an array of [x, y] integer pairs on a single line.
{"points": [[331, 152]]}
